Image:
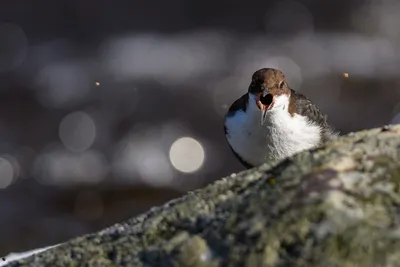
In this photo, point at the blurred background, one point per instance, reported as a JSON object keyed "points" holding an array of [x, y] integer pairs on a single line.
{"points": [[108, 108]]}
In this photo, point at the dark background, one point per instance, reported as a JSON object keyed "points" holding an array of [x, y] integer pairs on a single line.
{"points": [[76, 156]]}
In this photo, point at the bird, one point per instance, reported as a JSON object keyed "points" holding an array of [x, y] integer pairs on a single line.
{"points": [[272, 121]]}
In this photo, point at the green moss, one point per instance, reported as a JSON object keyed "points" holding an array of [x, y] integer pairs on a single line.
{"points": [[331, 206]]}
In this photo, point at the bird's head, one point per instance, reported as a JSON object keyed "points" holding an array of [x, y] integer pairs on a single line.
{"points": [[270, 90]]}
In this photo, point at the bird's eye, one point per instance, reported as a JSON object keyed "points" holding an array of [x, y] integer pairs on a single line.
{"points": [[282, 84]]}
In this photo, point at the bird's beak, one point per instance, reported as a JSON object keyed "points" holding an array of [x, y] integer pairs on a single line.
{"points": [[263, 115], [265, 102]]}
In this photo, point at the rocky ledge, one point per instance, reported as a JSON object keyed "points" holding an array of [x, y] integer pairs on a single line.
{"points": [[336, 205]]}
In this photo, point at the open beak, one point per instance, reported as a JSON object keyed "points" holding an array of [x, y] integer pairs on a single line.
{"points": [[265, 102]]}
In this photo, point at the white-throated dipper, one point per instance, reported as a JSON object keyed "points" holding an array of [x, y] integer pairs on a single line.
{"points": [[272, 121]]}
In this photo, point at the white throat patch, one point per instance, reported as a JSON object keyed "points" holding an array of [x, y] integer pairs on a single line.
{"points": [[281, 135]]}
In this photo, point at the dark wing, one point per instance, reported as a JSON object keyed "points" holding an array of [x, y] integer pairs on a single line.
{"points": [[239, 104], [306, 108]]}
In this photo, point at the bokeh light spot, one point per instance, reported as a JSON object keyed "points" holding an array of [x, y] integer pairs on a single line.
{"points": [[168, 60], [63, 84], [77, 131], [6, 173], [186, 154], [140, 158], [62, 167]]}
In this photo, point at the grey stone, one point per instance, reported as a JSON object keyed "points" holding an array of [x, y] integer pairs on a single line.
{"points": [[336, 205]]}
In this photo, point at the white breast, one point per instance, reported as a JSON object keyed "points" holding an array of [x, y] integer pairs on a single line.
{"points": [[281, 136]]}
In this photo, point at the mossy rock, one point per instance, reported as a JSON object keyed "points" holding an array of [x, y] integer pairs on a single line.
{"points": [[336, 205]]}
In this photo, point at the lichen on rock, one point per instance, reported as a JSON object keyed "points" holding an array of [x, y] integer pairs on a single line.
{"points": [[335, 205]]}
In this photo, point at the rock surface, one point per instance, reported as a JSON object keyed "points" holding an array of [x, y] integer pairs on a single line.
{"points": [[336, 205]]}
